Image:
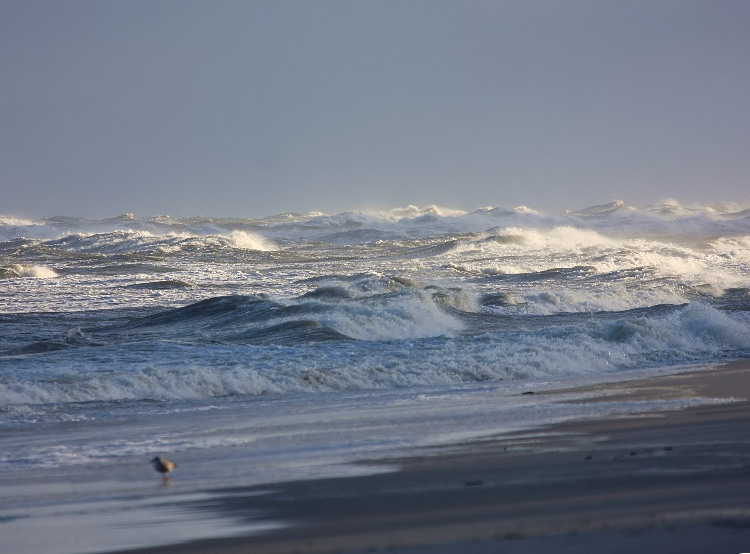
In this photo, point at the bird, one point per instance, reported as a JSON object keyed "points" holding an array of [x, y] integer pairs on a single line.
{"points": [[163, 466]]}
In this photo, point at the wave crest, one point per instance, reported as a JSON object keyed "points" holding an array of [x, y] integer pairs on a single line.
{"points": [[368, 308], [20, 270]]}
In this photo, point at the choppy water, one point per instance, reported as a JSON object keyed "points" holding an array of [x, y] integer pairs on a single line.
{"points": [[291, 340]]}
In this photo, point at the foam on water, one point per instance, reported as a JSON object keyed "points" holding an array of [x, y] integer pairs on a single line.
{"points": [[20, 270], [250, 241], [666, 218], [208, 352], [531, 250], [288, 346], [135, 309]]}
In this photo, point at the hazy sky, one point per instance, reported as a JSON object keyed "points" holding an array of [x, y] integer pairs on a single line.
{"points": [[250, 108]]}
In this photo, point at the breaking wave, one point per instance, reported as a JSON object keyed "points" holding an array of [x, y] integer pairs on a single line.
{"points": [[343, 339], [363, 308], [19, 270], [667, 218], [164, 308]]}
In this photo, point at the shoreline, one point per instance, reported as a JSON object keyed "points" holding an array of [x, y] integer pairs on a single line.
{"points": [[664, 481]]}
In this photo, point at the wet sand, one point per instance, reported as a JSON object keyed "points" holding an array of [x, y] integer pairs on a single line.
{"points": [[675, 481]]}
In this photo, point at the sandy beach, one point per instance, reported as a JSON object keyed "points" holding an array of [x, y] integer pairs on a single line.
{"points": [[674, 481]]}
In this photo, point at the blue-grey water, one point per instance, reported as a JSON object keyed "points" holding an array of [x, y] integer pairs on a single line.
{"points": [[287, 346]]}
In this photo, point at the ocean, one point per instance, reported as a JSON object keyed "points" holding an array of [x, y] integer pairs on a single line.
{"points": [[252, 351]]}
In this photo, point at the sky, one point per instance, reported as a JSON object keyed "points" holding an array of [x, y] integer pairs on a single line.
{"points": [[251, 108]]}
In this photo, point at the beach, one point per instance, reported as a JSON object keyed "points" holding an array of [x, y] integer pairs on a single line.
{"points": [[403, 277], [668, 481], [416, 378]]}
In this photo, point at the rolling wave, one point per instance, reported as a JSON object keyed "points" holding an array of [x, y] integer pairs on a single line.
{"points": [[210, 349], [368, 308], [131, 308], [668, 218], [21, 270]]}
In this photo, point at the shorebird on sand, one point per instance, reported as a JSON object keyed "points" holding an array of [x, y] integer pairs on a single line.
{"points": [[163, 466]]}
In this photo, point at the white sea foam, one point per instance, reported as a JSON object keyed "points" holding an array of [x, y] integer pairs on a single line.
{"points": [[251, 241], [35, 271], [414, 212], [583, 270], [413, 314], [531, 264], [693, 332], [288, 345], [11, 221], [668, 218]]}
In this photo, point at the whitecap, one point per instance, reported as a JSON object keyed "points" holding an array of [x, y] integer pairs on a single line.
{"points": [[33, 271]]}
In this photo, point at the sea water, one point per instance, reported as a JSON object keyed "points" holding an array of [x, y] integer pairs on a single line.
{"points": [[253, 351]]}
